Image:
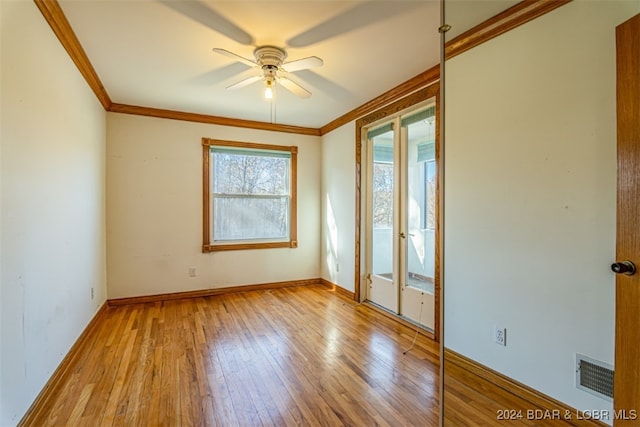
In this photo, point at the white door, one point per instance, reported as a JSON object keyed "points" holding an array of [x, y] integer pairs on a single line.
{"points": [[418, 220], [401, 209], [382, 216]]}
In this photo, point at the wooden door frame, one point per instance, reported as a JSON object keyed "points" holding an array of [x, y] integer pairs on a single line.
{"points": [[430, 91], [627, 335]]}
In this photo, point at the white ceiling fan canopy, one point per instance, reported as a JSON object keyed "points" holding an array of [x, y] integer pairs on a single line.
{"points": [[270, 56]]}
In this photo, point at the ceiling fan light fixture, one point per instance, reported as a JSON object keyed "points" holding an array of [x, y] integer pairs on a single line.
{"points": [[268, 92]]}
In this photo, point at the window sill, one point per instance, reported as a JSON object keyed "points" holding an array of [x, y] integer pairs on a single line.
{"points": [[246, 246]]}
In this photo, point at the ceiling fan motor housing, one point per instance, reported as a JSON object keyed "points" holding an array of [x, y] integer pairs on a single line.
{"points": [[270, 56]]}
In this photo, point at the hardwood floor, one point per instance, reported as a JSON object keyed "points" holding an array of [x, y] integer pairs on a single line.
{"points": [[298, 356], [292, 356], [473, 401]]}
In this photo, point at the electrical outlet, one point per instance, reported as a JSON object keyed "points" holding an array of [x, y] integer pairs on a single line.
{"points": [[192, 272], [337, 267], [500, 335], [92, 293]]}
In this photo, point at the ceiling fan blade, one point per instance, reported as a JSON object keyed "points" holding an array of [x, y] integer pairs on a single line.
{"points": [[244, 82], [294, 87], [359, 16], [199, 11], [302, 64], [234, 56]]}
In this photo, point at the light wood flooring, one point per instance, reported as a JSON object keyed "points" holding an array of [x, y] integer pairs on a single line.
{"points": [[299, 356], [286, 357], [472, 401]]}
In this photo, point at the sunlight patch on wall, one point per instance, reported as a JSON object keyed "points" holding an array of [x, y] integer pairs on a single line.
{"points": [[332, 243]]}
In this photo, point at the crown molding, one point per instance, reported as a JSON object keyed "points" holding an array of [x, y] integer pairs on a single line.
{"points": [[423, 79], [513, 17], [58, 22], [212, 120]]}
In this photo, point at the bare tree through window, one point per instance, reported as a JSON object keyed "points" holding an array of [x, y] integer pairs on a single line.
{"points": [[250, 196], [382, 195]]}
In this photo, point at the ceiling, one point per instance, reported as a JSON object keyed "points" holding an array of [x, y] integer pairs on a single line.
{"points": [[158, 53]]}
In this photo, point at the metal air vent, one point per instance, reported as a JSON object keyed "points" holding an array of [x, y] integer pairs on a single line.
{"points": [[594, 376]]}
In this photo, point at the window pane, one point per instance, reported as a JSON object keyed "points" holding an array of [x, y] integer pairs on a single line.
{"points": [[250, 174], [430, 208], [382, 195], [246, 218]]}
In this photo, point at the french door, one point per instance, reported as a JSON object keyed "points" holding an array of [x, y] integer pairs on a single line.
{"points": [[401, 214]]}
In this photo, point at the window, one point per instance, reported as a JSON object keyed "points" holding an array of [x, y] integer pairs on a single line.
{"points": [[249, 195], [422, 153], [382, 195], [383, 176], [428, 202]]}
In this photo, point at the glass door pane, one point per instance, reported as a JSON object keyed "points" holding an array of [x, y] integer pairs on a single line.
{"points": [[419, 217], [383, 281]]}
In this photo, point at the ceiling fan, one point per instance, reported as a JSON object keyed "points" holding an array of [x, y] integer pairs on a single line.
{"points": [[271, 68]]}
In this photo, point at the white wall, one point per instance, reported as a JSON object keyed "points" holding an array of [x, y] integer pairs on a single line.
{"points": [[338, 206], [1, 211], [530, 183], [1, 261], [154, 210], [52, 206]]}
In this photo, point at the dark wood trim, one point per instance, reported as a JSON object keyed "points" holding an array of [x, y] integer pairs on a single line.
{"points": [[293, 208], [358, 214], [509, 19], [213, 120], [421, 95], [339, 290], [211, 292], [206, 248], [58, 22], [62, 372], [206, 205], [423, 79], [250, 145], [437, 280], [422, 331], [292, 242], [399, 105], [526, 393]]}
